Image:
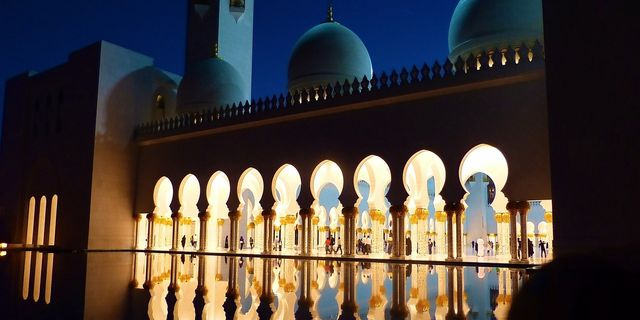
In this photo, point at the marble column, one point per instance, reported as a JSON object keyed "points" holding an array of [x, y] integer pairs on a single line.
{"points": [[268, 216], [231, 305], [460, 294], [303, 239], [204, 224], [523, 208], [219, 226], [234, 218], [512, 207], [174, 287], [175, 234], [421, 239], [151, 217], [309, 231], [459, 240], [398, 212], [350, 214], [451, 312], [450, 210]]}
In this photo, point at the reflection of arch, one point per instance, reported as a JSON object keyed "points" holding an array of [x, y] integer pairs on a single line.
{"points": [[285, 188], [375, 172]]}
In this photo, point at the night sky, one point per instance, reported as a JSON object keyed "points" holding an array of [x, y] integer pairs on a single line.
{"points": [[37, 34]]}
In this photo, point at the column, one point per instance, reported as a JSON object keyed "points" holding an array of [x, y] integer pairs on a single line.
{"points": [[175, 234], [440, 238], [524, 207], [220, 225], [459, 211], [268, 216], [349, 214], [231, 304], [150, 229], [512, 207], [450, 212], [398, 212], [421, 240], [308, 235], [303, 237], [204, 221], [289, 234], [174, 286], [451, 312], [234, 217], [460, 293]]}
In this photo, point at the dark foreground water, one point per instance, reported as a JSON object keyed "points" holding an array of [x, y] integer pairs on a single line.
{"points": [[124, 285]]}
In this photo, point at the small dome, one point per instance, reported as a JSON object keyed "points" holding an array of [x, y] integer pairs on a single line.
{"points": [[327, 53], [478, 25], [209, 83]]}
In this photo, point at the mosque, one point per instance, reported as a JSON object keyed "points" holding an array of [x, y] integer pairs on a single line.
{"points": [[107, 151]]}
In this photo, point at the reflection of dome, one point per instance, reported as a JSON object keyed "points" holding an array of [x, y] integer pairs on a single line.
{"points": [[327, 53], [478, 25], [210, 83]]}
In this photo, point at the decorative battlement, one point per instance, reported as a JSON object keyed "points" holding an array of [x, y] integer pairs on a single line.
{"points": [[491, 64]]}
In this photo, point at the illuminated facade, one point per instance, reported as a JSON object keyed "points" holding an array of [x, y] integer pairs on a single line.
{"points": [[436, 157]]}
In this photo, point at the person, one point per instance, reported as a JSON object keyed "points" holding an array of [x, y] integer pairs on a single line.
{"points": [[226, 242], [519, 247], [430, 245], [543, 250], [339, 246], [473, 246], [241, 242], [333, 243], [408, 245], [327, 245], [367, 246], [251, 242], [183, 241], [530, 247]]}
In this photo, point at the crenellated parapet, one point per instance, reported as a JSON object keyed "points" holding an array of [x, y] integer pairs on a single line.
{"points": [[491, 64]]}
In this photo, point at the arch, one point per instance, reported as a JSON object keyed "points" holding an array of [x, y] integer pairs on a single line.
{"points": [[424, 170], [375, 171], [162, 196], [488, 160], [250, 179], [188, 195], [326, 178], [30, 219], [217, 193], [324, 173], [422, 166], [285, 188]]}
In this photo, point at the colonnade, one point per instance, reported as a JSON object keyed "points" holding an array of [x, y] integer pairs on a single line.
{"points": [[289, 219]]}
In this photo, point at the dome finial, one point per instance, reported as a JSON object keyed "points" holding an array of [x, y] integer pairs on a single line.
{"points": [[330, 12]]}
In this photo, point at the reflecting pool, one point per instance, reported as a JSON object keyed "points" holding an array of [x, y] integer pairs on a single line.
{"points": [[127, 285]]}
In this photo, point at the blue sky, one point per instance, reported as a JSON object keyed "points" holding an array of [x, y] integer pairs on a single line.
{"points": [[39, 34]]}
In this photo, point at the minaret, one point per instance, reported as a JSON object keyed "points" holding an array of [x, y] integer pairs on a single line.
{"points": [[225, 24]]}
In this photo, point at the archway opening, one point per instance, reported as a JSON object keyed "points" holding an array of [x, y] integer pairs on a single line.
{"points": [[161, 236], [327, 182], [250, 191], [285, 188], [189, 224], [218, 190], [371, 181]]}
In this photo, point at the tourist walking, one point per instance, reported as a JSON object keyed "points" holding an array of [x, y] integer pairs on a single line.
{"points": [[241, 242]]}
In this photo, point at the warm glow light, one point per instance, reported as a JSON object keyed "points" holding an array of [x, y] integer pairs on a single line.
{"points": [[3, 253], [3, 245]]}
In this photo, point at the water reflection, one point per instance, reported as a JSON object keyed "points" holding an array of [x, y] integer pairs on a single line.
{"points": [[176, 286], [213, 287]]}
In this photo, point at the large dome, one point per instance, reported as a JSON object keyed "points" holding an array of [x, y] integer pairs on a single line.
{"points": [[478, 25], [209, 83], [327, 53]]}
